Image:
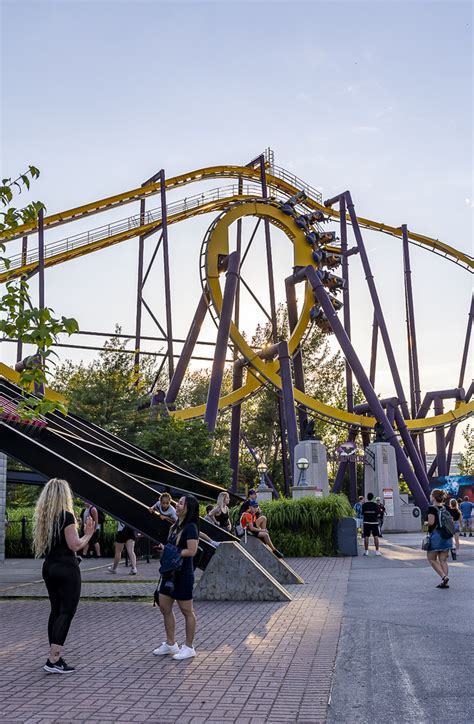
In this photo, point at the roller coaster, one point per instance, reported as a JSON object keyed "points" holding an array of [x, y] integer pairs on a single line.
{"points": [[275, 199]]}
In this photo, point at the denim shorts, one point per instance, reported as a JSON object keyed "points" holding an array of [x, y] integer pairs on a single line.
{"points": [[438, 543]]}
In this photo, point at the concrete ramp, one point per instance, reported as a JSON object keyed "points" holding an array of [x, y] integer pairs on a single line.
{"points": [[276, 567], [234, 575]]}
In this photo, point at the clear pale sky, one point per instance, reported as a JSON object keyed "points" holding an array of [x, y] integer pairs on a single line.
{"points": [[375, 97]]}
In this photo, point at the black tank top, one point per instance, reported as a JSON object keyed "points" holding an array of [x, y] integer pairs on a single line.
{"points": [[223, 519]]}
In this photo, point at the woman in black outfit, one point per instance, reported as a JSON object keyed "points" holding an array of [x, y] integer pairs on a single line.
{"points": [[220, 514], [179, 586], [55, 537]]}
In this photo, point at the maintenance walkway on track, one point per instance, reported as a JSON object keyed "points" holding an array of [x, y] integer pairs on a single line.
{"points": [[362, 636]]}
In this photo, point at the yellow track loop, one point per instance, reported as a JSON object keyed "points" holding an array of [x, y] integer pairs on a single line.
{"points": [[218, 245], [228, 172]]}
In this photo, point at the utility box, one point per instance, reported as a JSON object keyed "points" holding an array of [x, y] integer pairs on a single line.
{"points": [[346, 537]]}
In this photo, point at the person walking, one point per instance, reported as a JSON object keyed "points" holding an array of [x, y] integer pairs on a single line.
{"points": [[178, 586], [439, 546], [220, 514], [93, 545], [382, 511], [358, 513], [55, 537], [456, 516], [126, 536], [466, 513], [370, 514]]}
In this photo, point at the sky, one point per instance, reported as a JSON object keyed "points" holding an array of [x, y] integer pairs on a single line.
{"points": [[375, 97]]}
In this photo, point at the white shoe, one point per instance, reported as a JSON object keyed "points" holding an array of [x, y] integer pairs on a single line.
{"points": [[166, 649], [378, 553], [111, 569], [185, 652], [133, 572], [366, 553]]}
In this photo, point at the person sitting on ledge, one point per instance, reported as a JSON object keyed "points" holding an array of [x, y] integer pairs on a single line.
{"points": [[257, 526]]}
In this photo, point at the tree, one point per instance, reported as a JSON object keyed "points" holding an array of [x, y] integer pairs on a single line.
{"points": [[466, 466], [20, 318]]}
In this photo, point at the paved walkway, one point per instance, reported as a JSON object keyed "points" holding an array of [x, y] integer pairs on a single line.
{"points": [[257, 663]]}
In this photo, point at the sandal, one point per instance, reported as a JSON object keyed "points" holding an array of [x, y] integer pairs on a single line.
{"points": [[444, 583]]}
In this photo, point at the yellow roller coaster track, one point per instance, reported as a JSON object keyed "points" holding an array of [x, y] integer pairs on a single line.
{"points": [[237, 206]]}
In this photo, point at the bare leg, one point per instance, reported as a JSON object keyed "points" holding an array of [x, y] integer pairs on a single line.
{"points": [[366, 543], [443, 562], [435, 564], [130, 546], [118, 554], [265, 537], [189, 620], [456, 540], [261, 522], [166, 608], [376, 541], [97, 549], [55, 653]]}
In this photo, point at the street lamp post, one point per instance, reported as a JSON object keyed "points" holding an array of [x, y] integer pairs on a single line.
{"points": [[302, 464], [262, 469]]}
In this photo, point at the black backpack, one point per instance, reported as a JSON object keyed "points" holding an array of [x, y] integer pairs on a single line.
{"points": [[446, 523]]}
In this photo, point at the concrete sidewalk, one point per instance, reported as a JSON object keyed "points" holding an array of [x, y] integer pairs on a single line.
{"points": [[405, 645]]}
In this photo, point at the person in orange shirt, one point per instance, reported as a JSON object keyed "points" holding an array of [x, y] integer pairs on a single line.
{"points": [[256, 526]]}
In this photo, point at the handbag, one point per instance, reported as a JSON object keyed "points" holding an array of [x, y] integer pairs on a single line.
{"points": [[425, 543], [171, 560]]}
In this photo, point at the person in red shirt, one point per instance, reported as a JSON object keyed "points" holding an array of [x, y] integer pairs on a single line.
{"points": [[256, 526]]}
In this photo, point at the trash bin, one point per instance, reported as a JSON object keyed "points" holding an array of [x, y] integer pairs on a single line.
{"points": [[346, 537]]}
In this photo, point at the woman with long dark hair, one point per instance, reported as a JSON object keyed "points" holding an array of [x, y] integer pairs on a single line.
{"points": [[184, 534], [55, 537]]}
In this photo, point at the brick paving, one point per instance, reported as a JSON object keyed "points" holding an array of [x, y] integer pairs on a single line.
{"points": [[257, 663]]}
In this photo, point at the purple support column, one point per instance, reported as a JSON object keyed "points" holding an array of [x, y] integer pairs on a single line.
{"points": [[166, 270], [347, 326], [271, 285], [467, 341], [41, 257], [440, 441], [366, 387], [288, 399], [237, 377], [24, 253], [373, 351], [214, 392], [141, 250], [188, 348], [412, 452], [377, 307], [412, 344], [297, 357]]}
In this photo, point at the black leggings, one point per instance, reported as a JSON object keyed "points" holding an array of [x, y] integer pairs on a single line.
{"points": [[63, 581]]}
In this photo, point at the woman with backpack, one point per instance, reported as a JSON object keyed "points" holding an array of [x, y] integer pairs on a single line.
{"points": [[178, 582], [440, 530]]}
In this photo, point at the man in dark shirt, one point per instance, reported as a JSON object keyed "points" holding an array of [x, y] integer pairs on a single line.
{"points": [[370, 514]]}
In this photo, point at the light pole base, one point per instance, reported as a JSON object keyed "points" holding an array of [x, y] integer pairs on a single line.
{"points": [[264, 493], [306, 491]]}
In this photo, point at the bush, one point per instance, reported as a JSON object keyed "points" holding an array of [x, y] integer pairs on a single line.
{"points": [[304, 527]]}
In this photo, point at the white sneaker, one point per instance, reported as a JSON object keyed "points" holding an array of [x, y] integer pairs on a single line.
{"points": [[378, 553], [111, 569], [166, 649], [133, 572], [185, 652], [366, 553]]}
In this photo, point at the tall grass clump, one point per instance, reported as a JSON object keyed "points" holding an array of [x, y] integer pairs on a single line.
{"points": [[305, 527]]}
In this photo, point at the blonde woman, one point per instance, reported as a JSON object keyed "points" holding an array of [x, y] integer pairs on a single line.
{"points": [[55, 537], [220, 514]]}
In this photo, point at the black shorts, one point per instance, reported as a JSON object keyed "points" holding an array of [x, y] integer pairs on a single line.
{"points": [[371, 529], [95, 538], [125, 534], [182, 589]]}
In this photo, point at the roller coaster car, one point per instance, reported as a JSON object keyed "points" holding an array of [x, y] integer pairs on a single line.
{"points": [[326, 237], [331, 260], [288, 209], [331, 281]]}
